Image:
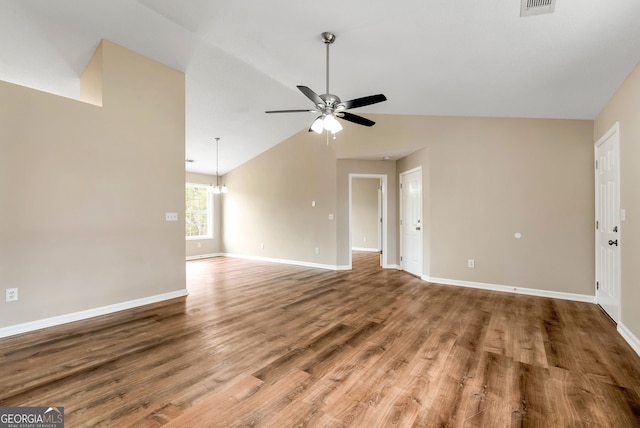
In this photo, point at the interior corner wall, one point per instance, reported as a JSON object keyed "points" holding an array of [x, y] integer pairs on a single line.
{"points": [[486, 179], [208, 247], [85, 190], [624, 107], [269, 211]]}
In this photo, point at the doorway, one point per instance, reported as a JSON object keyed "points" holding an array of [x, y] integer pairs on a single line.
{"points": [[411, 224], [380, 210], [608, 218]]}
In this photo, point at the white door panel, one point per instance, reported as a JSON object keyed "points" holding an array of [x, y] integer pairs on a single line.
{"points": [[607, 154], [411, 221]]}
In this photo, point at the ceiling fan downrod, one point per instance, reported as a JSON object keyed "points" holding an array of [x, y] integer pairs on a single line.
{"points": [[328, 38]]}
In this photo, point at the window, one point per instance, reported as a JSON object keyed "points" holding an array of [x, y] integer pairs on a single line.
{"points": [[199, 211]]}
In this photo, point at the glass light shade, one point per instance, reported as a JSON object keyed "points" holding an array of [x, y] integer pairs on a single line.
{"points": [[224, 189], [317, 125], [331, 124]]}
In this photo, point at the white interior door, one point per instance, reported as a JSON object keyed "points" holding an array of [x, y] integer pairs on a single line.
{"points": [[608, 217], [411, 221]]}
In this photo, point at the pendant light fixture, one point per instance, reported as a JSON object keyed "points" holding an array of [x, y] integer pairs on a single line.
{"points": [[217, 189]]}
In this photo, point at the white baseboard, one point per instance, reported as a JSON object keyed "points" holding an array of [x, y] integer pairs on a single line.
{"points": [[370, 250], [516, 290], [90, 313], [287, 262], [631, 338], [203, 256]]}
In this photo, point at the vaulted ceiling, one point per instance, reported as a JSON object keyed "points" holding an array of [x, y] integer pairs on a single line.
{"points": [[242, 57]]}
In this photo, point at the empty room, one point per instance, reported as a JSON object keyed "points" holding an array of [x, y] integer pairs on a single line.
{"points": [[320, 214]]}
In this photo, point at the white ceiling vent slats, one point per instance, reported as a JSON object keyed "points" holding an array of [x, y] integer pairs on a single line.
{"points": [[536, 7]]}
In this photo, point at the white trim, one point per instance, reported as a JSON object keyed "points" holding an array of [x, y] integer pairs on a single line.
{"points": [[515, 290], [203, 256], [631, 338], [288, 262], [370, 250], [90, 313]]}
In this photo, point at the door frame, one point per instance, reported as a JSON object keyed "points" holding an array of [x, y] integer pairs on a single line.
{"points": [[614, 131], [400, 222], [382, 226]]}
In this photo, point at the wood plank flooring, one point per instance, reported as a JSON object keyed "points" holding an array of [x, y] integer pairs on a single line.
{"points": [[258, 344]]}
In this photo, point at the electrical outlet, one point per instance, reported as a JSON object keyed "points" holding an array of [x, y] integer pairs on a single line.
{"points": [[317, 250], [11, 295], [471, 263]]}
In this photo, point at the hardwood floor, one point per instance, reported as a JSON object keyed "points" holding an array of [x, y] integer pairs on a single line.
{"points": [[258, 344]]}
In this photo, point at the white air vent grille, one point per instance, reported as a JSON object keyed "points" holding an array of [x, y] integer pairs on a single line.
{"points": [[536, 7]]}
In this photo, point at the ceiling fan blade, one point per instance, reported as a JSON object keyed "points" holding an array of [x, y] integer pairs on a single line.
{"points": [[355, 118], [361, 102], [290, 111], [311, 95]]}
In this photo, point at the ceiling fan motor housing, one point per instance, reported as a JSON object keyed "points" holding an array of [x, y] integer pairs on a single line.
{"points": [[331, 101]]}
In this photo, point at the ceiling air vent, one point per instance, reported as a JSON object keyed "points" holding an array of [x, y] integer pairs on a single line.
{"points": [[536, 7]]}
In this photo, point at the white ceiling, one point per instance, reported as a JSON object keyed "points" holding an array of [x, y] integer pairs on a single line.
{"points": [[242, 57]]}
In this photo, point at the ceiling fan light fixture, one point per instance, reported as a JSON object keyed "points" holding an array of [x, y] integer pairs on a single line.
{"points": [[331, 124]]}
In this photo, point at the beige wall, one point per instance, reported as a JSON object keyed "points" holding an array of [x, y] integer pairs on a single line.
{"points": [[364, 213], [85, 189], [268, 211], [206, 247], [624, 107], [486, 179]]}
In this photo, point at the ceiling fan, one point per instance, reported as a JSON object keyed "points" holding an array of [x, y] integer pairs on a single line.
{"points": [[330, 106]]}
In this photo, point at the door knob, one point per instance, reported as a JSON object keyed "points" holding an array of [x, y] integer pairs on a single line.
{"points": [[613, 242], [417, 228]]}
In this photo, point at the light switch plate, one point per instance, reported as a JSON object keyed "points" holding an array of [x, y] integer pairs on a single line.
{"points": [[171, 216], [11, 295]]}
